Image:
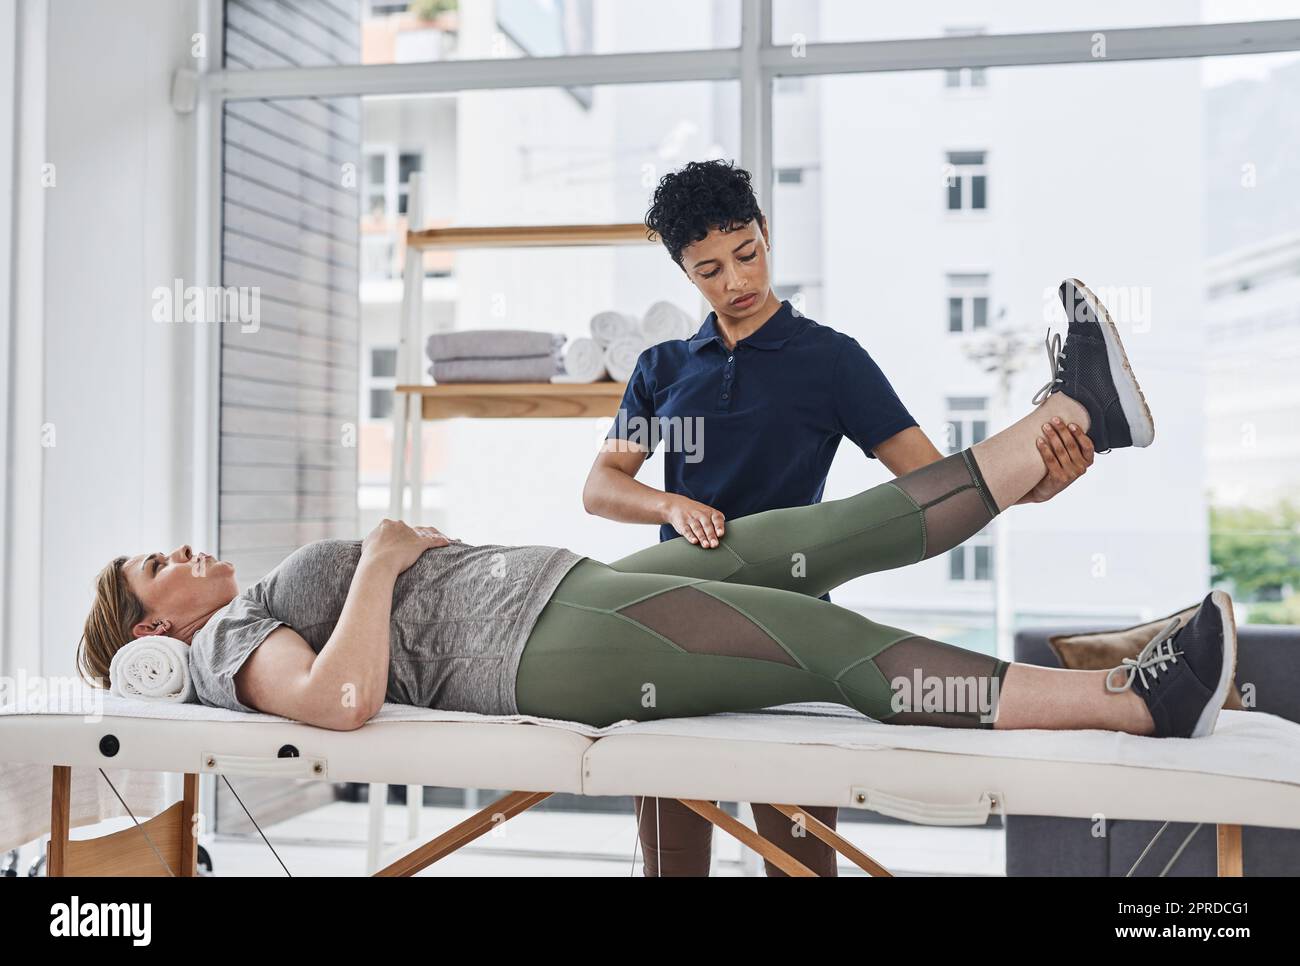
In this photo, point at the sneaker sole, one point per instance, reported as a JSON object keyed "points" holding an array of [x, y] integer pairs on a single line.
{"points": [[1210, 714], [1141, 427]]}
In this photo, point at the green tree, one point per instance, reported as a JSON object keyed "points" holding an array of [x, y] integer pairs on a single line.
{"points": [[1256, 551], [1283, 612], [428, 9]]}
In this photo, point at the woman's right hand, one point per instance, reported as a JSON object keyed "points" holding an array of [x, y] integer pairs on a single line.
{"points": [[396, 546], [698, 523]]}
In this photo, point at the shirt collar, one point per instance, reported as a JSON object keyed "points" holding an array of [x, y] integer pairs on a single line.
{"points": [[784, 324]]}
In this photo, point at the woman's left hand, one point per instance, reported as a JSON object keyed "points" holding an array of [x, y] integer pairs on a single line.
{"points": [[1067, 452]]}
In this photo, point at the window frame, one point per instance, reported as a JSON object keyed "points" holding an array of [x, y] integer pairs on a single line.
{"points": [[755, 63], [964, 175], [968, 292]]}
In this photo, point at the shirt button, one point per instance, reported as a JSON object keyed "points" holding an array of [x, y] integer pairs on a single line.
{"points": [[729, 358], [724, 395]]}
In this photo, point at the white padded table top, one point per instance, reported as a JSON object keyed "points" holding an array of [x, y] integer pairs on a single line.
{"points": [[1247, 772]]}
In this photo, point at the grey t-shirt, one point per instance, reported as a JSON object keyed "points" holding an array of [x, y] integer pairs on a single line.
{"points": [[461, 615]]}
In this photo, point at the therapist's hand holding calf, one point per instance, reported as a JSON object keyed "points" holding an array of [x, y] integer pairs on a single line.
{"points": [[1067, 453]]}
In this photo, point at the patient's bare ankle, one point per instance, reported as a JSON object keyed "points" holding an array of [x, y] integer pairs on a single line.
{"points": [[1070, 410], [1137, 717]]}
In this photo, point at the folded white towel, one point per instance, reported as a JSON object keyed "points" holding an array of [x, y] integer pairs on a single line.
{"points": [[611, 325], [154, 668], [583, 362], [621, 356], [664, 321]]}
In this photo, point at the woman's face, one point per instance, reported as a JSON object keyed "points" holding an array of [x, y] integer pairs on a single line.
{"points": [[727, 265], [180, 587]]}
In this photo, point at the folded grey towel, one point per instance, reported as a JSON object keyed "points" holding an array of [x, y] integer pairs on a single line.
{"points": [[492, 344], [516, 369]]}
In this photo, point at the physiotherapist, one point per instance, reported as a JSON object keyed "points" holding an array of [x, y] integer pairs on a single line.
{"points": [[753, 407]]}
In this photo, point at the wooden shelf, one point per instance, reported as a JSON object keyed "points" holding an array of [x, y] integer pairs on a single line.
{"points": [[484, 400], [527, 236], [517, 400]]}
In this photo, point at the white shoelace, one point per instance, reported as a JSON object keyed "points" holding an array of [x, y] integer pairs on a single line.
{"points": [[1055, 356], [1155, 657]]}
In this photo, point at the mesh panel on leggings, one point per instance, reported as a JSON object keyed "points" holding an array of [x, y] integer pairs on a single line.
{"points": [[701, 624], [954, 499], [944, 685]]}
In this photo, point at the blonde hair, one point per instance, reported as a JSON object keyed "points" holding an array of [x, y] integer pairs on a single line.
{"points": [[109, 627]]}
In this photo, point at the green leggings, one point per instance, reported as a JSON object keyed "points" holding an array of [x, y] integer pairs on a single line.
{"points": [[678, 630]]}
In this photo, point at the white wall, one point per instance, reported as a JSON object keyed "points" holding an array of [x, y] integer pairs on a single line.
{"points": [[109, 386]]}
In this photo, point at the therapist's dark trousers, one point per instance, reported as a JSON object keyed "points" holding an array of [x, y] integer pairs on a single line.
{"points": [[677, 630]]}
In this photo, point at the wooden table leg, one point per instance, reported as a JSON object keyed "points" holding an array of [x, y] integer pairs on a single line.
{"points": [[1229, 850], [737, 829], [836, 841], [60, 819]]}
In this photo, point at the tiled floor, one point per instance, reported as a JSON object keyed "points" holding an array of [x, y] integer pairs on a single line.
{"points": [[331, 841]]}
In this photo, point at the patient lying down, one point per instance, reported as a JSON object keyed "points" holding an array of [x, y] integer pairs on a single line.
{"points": [[727, 618], [408, 615]]}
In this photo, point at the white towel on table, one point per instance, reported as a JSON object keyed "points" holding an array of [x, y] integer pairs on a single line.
{"points": [[621, 356], [155, 668], [583, 362], [664, 321], [611, 325]]}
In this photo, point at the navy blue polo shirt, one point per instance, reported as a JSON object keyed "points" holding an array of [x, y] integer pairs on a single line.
{"points": [[771, 412]]}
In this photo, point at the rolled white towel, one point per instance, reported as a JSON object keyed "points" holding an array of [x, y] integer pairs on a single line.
{"points": [[621, 356], [583, 362], [611, 325], [154, 668], [664, 321]]}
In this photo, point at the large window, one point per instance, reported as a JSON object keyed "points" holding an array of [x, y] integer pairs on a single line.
{"points": [[878, 189], [531, 156], [1196, 250], [897, 198]]}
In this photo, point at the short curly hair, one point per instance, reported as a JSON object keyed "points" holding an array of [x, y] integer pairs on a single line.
{"points": [[699, 197]]}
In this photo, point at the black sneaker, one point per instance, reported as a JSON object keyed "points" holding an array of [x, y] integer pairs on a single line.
{"points": [[1093, 370], [1184, 673]]}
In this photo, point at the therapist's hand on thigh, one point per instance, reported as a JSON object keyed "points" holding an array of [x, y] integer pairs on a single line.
{"points": [[700, 524]]}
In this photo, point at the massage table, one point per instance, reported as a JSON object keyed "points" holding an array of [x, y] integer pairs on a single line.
{"points": [[1246, 773]]}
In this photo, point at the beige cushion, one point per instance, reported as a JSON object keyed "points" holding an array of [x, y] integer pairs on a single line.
{"points": [[1103, 650]]}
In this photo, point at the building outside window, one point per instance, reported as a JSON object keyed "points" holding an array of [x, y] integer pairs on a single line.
{"points": [[968, 302], [967, 181], [964, 78], [381, 379], [968, 423]]}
